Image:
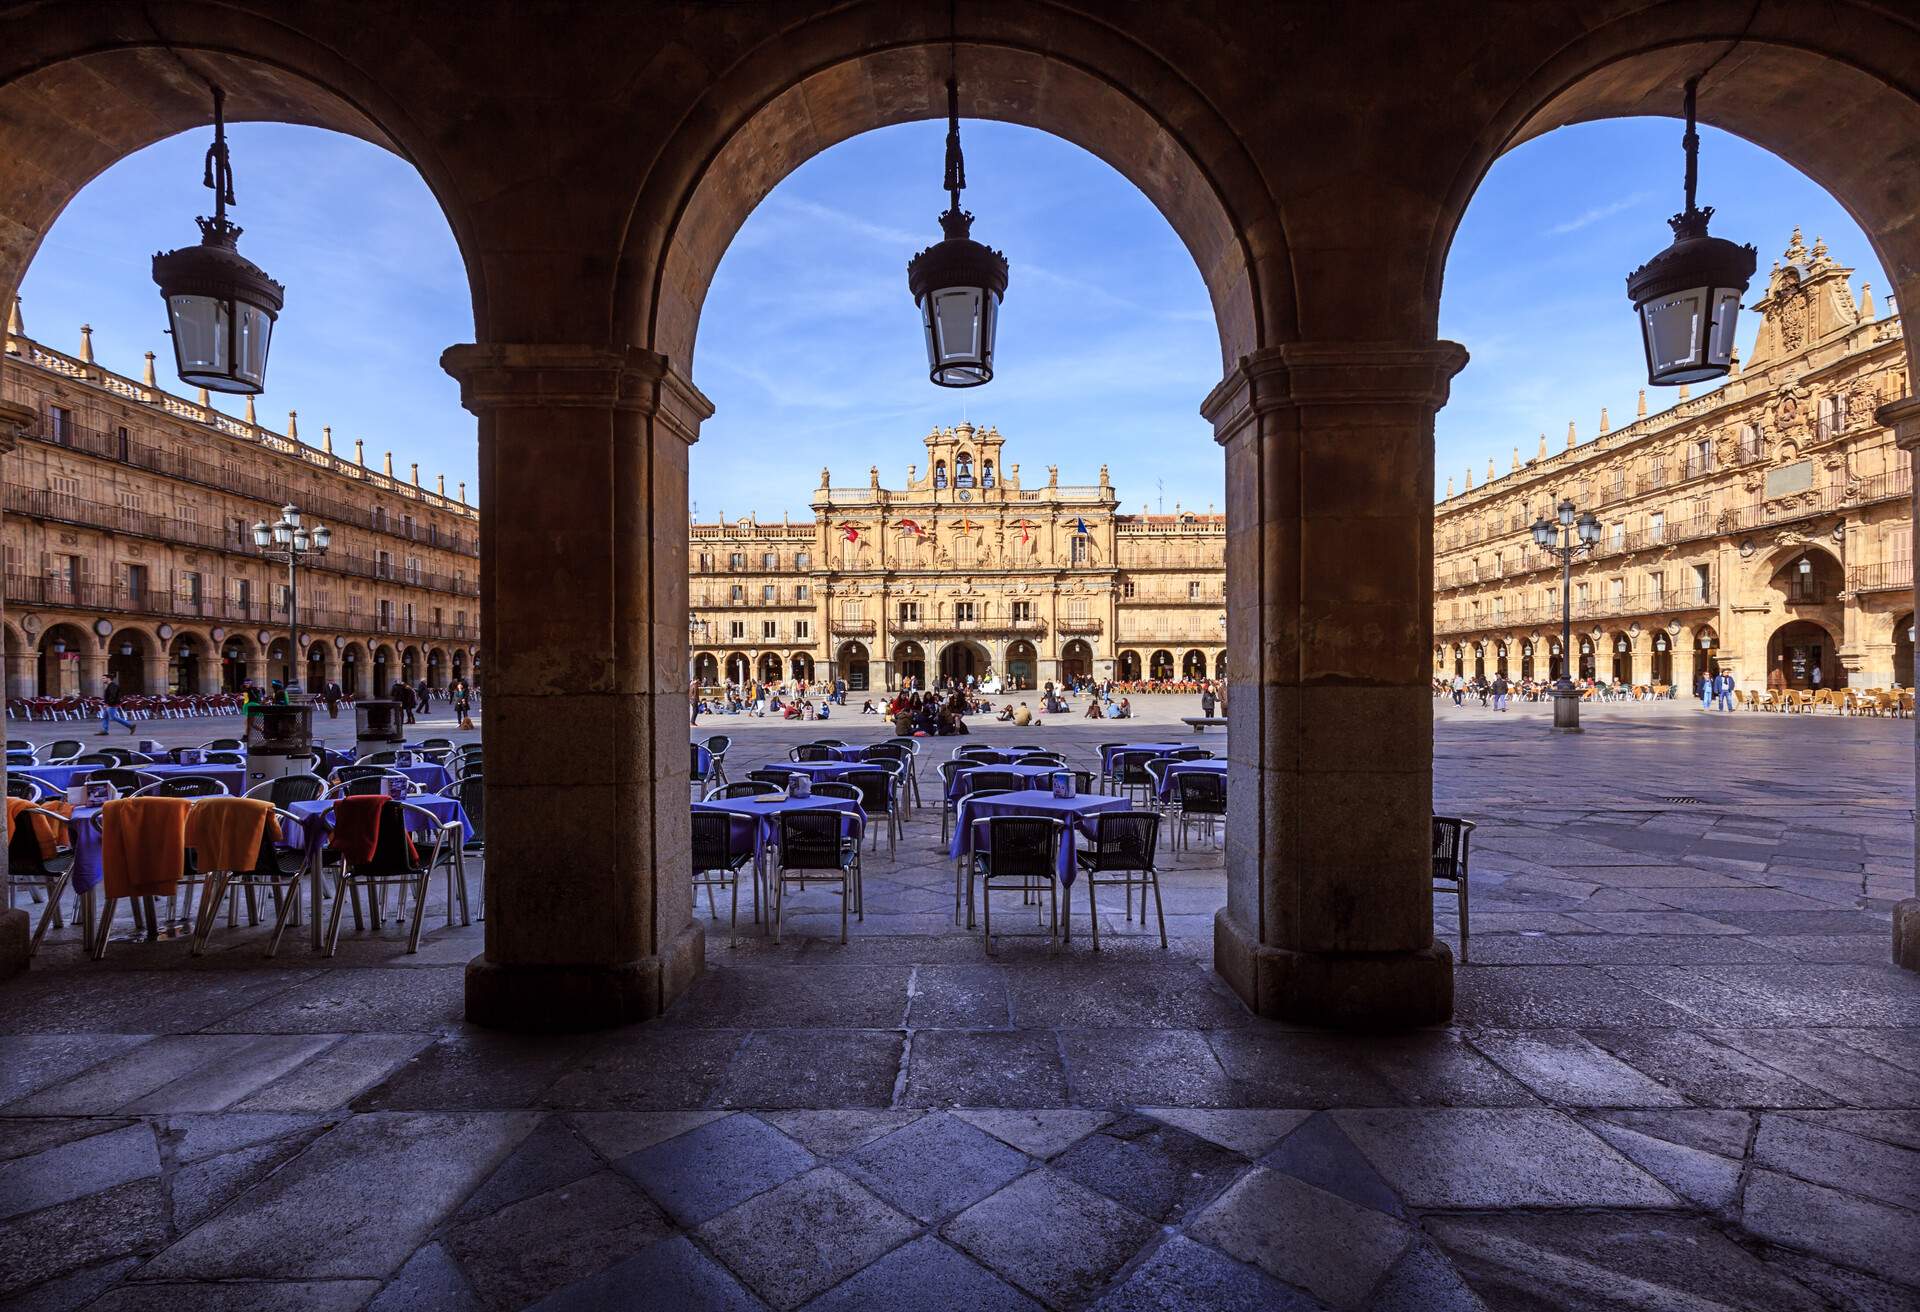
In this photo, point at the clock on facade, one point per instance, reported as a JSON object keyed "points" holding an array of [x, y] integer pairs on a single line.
{"points": [[965, 495]]}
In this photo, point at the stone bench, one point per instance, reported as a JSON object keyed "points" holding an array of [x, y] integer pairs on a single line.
{"points": [[1201, 723]]}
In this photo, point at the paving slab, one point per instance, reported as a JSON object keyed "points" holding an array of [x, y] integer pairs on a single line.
{"points": [[548, 1241], [1057, 1240], [708, 1170], [804, 1237], [1334, 1249], [935, 1166]]}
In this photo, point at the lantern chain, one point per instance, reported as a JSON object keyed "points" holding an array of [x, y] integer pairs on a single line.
{"points": [[219, 166]]}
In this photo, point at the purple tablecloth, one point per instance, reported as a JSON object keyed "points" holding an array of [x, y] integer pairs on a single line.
{"points": [[962, 783], [232, 777], [851, 752], [756, 822], [1167, 785], [1071, 810], [815, 770], [1158, 749]]}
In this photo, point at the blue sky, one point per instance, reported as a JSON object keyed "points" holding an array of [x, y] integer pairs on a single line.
{"points": [[810, 347]]}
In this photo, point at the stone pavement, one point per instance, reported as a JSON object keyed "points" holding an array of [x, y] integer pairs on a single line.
{"points": [[1681, 1075]]}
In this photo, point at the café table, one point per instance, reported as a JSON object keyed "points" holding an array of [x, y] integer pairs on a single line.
{"points": [[1073, 812], [754, 824], [232, 777], [962, 782], [1158, 749], [314, 820], [818, 771], [1166, 790]]}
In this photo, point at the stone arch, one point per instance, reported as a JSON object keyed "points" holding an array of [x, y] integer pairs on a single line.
{"points": [[63, 654], [1760, 87], [355, 670], [1821, 582], [1023, 665], [1193, 666], [436, 669], [410, 664], [383, 669], [1160, 664], [137, 659], [769, 669], [910, 662], [1620, 654], [239, 655], [19, 656], [1903, 629], [739, 668], [828, 80], [194, 669], [1804, 654], [1220, 664], [144, 79], [1127, 667], [963, 657]]}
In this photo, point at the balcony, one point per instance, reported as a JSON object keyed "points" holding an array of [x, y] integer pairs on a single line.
{"points": [[1093, 625], [850, 628], [1887, 576], [1031, 628]]}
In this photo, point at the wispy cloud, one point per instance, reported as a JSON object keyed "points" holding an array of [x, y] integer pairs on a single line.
{"points": [[1598, 213]]}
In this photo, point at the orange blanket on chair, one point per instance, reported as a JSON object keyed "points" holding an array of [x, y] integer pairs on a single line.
{"points": [[48, 833], [224, 832], [143, 845]]}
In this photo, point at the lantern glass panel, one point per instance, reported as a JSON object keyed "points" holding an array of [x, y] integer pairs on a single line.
{"points": [[1673, 327], [201, 332], [1726, 316], [256, 333]]}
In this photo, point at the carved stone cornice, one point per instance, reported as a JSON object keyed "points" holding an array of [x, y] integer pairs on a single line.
{"points": [[1903, 417], [1302, 374], [15, 419], [542, 375]]}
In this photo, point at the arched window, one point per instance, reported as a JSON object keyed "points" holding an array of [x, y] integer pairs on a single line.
{"points": [[963, 470], [986, 473], [939, 474]]}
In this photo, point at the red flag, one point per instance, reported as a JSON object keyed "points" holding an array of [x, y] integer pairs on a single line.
{"points": [[908, 526], [853, 534]]}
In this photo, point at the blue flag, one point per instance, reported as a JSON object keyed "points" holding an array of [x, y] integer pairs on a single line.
{"points": [[1080, 526]]}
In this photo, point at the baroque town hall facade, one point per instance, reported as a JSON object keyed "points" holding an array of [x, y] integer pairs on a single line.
{"points": [[965, 570]]}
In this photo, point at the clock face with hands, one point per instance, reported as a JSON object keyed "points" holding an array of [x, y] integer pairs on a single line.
{"points": [[965, 495]]}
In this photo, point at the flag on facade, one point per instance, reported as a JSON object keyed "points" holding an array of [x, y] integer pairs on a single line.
{"points": [[967, 525], [908, 526], [1026, 529], [853, 534], [1080, 526]]}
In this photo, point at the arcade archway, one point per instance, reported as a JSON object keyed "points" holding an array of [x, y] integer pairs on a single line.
{"points": [[962, 661], [1803, 655], [1022, 665], [1076, 661], [910, 665], [852, 664]]}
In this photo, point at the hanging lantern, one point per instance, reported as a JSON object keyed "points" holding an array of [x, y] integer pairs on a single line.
{"points": [[958, 283], [220, 306], [1688, 296]]}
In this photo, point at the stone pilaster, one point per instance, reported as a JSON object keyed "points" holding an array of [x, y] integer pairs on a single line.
{"points": [[583, 578], [1903, 417], [1329, 916]]}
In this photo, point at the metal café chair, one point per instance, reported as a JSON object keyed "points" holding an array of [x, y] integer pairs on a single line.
{"points": [[471, 792], [909, 779], [183, 785], [62, 751], [717, 864], [744, 788], [1191, 754], [878, 791], [224, 758], [1451, 836], [222, 745], [717, 745], [28, 867], [812, 849], [963, 864], [395, 863], [125, 782], [1200, 796], [32, 790], [698, 777], [810, 752], [288, 789], [364, 780], [277, 867], [1158, 796], [1130, 774], [1022, 855], [772, 774], [1121, 852], [1107, 751]]}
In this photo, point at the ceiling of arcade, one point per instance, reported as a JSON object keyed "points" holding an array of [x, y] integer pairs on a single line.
{"points": [[1318, 194]]}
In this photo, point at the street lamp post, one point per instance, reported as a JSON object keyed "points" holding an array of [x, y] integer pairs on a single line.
{"points": [[289, 540], [1568, 533]]}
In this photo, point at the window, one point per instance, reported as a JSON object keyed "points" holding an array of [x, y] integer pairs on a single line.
{"points": [[1616, 592], [60, 424], [129, 500], [1583, 595], [770, 560], [406, 525], [123, 441], [386, 614], [243, 593], [1022, 610], [380, 518], [853, 611], [769, 593], [706, 560], [738, 560], [909, 612], [1617, 536], [803, 593], [803, 560], [1702, 583], [1126, 589], [1657, 588], [137, 585], [1803, 585], [1499, 564], [1194, 587], [1700, 458], [190, 588], [382, 565], [410, 617], [413, 569], [65, 490], [737, 630], [736, 593], [1833, 415], [1657, 527], [802, 629], [769, 629], [964, 612], [1079, 548], [1077, 610], [1750, 448]]}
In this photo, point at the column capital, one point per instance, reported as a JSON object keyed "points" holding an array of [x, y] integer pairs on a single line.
{"points": [[539, 375], [1300, 374], [15, 419], [1903, 417]]}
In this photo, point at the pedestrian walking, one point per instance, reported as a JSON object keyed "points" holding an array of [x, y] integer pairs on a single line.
{"points": [[1500, 691], [425, 696], [110, 698], [1725, 690], [1207, 702], [331, 695], [403, 694]]}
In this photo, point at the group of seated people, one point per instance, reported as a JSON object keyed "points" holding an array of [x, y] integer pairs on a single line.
{"points": [[928, 712], [1108, 707]]}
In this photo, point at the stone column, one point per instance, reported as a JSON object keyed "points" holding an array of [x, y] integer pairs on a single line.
{"points": [[20, 673], [1903, 417], [1329, 915], [583, 580], [92, 670]]}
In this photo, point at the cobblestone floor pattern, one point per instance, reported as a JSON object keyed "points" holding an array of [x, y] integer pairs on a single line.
{"points": [[1682, 1074]]}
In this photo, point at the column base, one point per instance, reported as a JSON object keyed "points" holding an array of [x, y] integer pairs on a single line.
{"points": [[1340, 990], [16, 941], [1566, 711], [1906, 934], [575, 997]]}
